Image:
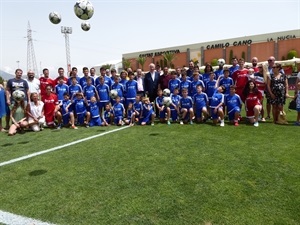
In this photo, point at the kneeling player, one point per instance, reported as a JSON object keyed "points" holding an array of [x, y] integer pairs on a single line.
{"points": [[95, 115], [80, 109], [186, 107], [66, 110], [148, 113], [163, 110], [118, 112], [200, 104], [234, 105], [216, 106]]}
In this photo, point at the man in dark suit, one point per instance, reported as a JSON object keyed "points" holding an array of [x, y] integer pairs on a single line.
{"points": [[141, 82], [151, 82]]}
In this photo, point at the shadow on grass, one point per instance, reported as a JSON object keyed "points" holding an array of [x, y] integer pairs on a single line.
{"points": [[7, 144], [154, 134], [23, 142], [37, 172]]}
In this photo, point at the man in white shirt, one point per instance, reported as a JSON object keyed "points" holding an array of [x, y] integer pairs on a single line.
{"points": [[33, 83], [141, 84]]}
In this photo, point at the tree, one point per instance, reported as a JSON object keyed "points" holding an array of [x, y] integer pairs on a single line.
{"points": [[107, 66], [169, 58], [214, 62], [126, 64], [1, 80], [291, 54], [141, 61]]}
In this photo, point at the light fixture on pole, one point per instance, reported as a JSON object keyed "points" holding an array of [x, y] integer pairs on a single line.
{"points": [[66, 31]]}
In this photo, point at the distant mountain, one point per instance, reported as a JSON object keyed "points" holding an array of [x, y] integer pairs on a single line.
{"points": [[6, 76]]}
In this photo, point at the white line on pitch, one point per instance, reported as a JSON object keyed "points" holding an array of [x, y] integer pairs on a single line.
{"points": [[13, 219], [58, 147]]}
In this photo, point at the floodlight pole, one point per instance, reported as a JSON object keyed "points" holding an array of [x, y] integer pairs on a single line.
{"points": [[66, 31]]}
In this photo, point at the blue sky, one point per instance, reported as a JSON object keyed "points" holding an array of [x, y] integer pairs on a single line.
{"points": [[124, 26]]}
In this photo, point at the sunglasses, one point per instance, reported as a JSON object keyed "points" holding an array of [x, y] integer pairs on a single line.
{"points": [[270, 60], [275, 67]]}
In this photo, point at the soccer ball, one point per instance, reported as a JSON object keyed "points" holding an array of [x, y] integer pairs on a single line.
{"points": [[54, 17], [84, 9], [85, 26], [166, 92], [18, 95], [221, 62], [167, 101], [113, 93]]}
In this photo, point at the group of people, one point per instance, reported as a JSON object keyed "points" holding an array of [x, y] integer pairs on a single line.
{"points": [[138, 98]]}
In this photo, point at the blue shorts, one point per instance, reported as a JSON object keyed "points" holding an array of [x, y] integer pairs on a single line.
{"points": [[298, 109], [199, 112], [66, 118], [80, 118], [117, 119], [174, 114], [102, 106], [215, 115], [232, 112], [147, 118], [162, 114], [95, 122]]}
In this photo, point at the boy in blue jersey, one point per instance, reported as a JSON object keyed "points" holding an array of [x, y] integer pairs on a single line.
{"points": [[216, 106], [103, 93], [89, 90], [194, 84], [95, 114], [185, 82], [60, 89], [83, 80], [129, 115], [74, 87], [174, 107], [226, 81], [200, 104], [186, 107], [163, 110], [174, 82], [148, 113], [66, 111], [107, 115], [81, 111], [211, 85], [234, 105], [131, 88], [118, 112], [119, 88], [137, 109]]}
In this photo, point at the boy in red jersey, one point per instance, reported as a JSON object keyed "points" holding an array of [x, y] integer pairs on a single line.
{"points": [[46, 81], [240, 78]]}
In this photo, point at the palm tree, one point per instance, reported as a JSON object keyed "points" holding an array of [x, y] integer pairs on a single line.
{"points": [[169, 57], [126, 64], [141, 61]]}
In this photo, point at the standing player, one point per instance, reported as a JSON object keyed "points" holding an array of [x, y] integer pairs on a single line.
{"points": [[233, 103], [60, 89], [61, 74], [89, 90], [194, 84], [240, 77], [185, 82], [174, 82], [103, 93], [83, 80], [46, 81], [74, 87], [119, 88], [131, 88], [186, 107]]}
